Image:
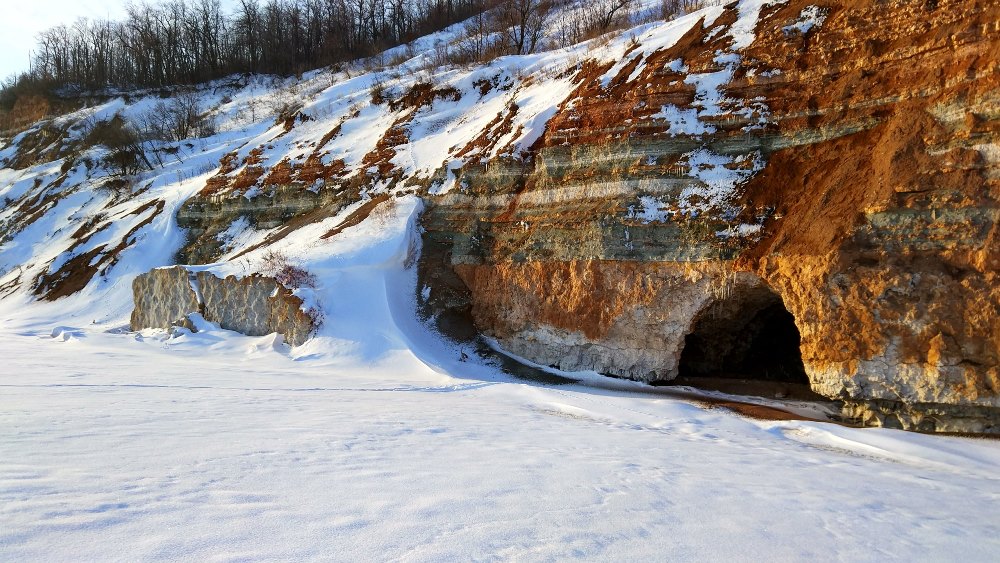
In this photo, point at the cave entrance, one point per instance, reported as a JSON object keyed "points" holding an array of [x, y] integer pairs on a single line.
{"points": [[745, 342]]}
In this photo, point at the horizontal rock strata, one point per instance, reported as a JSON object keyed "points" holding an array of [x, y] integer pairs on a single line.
{"points": [[866, 199]]}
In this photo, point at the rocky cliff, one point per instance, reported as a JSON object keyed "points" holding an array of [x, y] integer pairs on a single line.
{"points": [[781, 189], [254, 305], [857, 147]]}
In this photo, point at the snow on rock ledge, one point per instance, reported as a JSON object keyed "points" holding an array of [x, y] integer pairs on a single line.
{"points": [[254, 305]]}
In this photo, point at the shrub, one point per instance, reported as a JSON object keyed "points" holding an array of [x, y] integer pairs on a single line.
{"points": [[286, 110], [378, 93], [278, 266], [385, 212], [181, 117], [670, 9], [271, 262], [316, 318], [293, 276], [125, 153]]}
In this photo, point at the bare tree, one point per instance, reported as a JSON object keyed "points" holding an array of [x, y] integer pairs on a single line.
{"points": [[190, 41], [606, 13], [178, 118], [125, 154], [522, 22]]}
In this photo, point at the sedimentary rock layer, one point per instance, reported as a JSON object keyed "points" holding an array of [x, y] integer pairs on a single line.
{"points": [[864, 197], [163, 298]]}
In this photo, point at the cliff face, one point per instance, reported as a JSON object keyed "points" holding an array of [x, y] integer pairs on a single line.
{"points": [[841, 162], [254, 305]]}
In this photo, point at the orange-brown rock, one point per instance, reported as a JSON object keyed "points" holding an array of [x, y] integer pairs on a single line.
{"points": [[869, 210]]}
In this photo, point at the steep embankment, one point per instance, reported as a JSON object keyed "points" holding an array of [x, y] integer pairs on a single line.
{"points": [[839, 161], [782, 189]]}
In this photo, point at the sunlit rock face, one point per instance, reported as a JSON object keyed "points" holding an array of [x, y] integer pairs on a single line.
{"points": [[164, 297], [253, 305], [844, 159]]}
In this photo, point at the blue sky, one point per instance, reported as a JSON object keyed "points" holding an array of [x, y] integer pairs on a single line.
{"points": [[22, 22]]}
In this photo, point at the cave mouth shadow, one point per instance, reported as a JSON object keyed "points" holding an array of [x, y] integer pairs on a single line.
{"points": [[745, 342]]}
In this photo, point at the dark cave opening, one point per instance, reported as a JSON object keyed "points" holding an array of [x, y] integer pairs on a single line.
{"points": [[746, 342]]}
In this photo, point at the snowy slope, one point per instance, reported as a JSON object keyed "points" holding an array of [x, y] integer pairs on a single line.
{"points": [[63, 206]]}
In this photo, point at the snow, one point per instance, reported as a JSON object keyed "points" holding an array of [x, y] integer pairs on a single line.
{"points": [[810, 17], [217, 446], [742, 31], [240, 227], [651, 38], [450, 180], [741, 230], [719, 175], [650, 209], [677, 65], [377, 438], [683, 121]]}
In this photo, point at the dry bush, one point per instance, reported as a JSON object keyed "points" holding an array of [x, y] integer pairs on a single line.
{"points": [[589, 19], [277, 265], [379, 93], [272, 262], [287, 111], [670, 9], [385, 212], [178, 118], [125, 152], [293, 276], [316, 318]]}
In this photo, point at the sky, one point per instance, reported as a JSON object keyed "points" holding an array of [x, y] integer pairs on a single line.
{"points": [[22, 23]]}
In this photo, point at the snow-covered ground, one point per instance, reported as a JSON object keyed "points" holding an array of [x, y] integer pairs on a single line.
{"points": [[375, 441], [114, 449]]}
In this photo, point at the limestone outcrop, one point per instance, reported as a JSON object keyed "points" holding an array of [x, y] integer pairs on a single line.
{"points": [[254, 305], [163, 298], [860, 141]]}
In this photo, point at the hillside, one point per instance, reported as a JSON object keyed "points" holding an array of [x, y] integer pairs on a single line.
{"points": [[718, 153]]}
